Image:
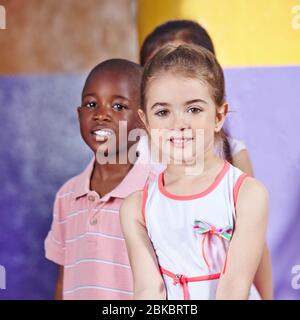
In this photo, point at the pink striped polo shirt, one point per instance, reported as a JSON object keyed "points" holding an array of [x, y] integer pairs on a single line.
{"points": [[86, 236]]}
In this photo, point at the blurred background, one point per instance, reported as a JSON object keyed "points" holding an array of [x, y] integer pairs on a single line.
{"points": [[47, 49]]}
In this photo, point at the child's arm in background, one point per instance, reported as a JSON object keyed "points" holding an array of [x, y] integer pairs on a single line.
{"points": [[147, 279], [263, 276], [248, 240], [59, 284], [242, 161]]}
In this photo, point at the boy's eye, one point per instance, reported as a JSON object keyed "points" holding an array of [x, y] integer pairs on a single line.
{"points": [[162, 113], [91, 105], [119, 106], [194, 110]]}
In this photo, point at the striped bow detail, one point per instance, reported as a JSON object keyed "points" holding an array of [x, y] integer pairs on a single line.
{"points": [[205, 229]]}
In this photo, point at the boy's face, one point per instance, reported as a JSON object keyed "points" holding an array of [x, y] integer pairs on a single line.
{"points": [[108, 98]]}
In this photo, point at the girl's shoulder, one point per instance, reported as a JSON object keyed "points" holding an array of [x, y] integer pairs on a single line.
{"points": [[252, 186], [253, 197], [131, 207], [245, 187], [134, 199], [249, 183]]}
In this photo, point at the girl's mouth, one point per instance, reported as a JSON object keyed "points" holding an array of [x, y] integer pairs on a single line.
{"points": [[180, 142]]}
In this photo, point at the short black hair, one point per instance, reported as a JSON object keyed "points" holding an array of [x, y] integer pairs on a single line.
{"points": [[131, 69], [186, 30]]}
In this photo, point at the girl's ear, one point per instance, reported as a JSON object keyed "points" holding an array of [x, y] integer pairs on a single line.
{"points": [[220, 116], [143, 119]]}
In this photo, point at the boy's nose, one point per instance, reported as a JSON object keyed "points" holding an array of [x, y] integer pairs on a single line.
{"points": [[102, 114]]}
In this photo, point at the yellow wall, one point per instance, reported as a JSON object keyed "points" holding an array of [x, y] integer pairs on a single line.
{"points": [[245, 33]]}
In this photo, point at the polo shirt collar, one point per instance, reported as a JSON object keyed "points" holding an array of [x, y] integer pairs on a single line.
{"points": [[82, 186], [135, 180]]}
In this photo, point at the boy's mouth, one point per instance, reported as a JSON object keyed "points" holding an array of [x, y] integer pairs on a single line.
{"points": [[102, 134]]}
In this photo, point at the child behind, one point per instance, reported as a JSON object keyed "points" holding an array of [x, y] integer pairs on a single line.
{"points": [[85, 239], [189, 234]]}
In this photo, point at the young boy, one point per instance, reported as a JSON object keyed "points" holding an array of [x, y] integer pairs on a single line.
{"points": [[85, 239]]}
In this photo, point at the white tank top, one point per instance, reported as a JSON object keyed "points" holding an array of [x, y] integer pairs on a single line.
{"points": [[191, 234]]}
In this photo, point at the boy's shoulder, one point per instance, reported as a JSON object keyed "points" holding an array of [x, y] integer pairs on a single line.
{"points": [[79, 184], [76, 183], [69, 187]]}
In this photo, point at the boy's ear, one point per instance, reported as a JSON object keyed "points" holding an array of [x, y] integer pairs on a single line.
{"points": [[221, 116], [142, 118]]}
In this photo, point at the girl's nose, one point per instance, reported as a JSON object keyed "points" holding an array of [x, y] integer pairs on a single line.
{"points": [[180, 123]]}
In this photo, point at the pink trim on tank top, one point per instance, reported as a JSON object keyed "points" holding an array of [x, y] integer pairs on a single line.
{"points": [[237, 186], [144, 200], [197, 195]]}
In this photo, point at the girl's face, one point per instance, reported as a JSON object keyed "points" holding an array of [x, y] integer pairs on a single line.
{"points": [[182, 113]]}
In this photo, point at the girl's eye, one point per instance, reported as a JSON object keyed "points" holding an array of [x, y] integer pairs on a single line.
{"points": [[91, 105], [162, 113], [119, 107], [194, 110]]}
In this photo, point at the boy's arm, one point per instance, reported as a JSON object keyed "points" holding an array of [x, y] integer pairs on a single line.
{"points": [[55, 245], [247, 244], [55, 240], [59, 284], [147, 280]]}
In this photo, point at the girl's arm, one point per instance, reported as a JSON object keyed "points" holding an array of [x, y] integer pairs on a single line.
{"points": [[247, 244], [147, 279], [263, 276]]}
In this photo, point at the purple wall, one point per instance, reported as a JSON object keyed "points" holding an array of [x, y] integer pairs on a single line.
{"points": [[40, 149], [267, 104]]}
